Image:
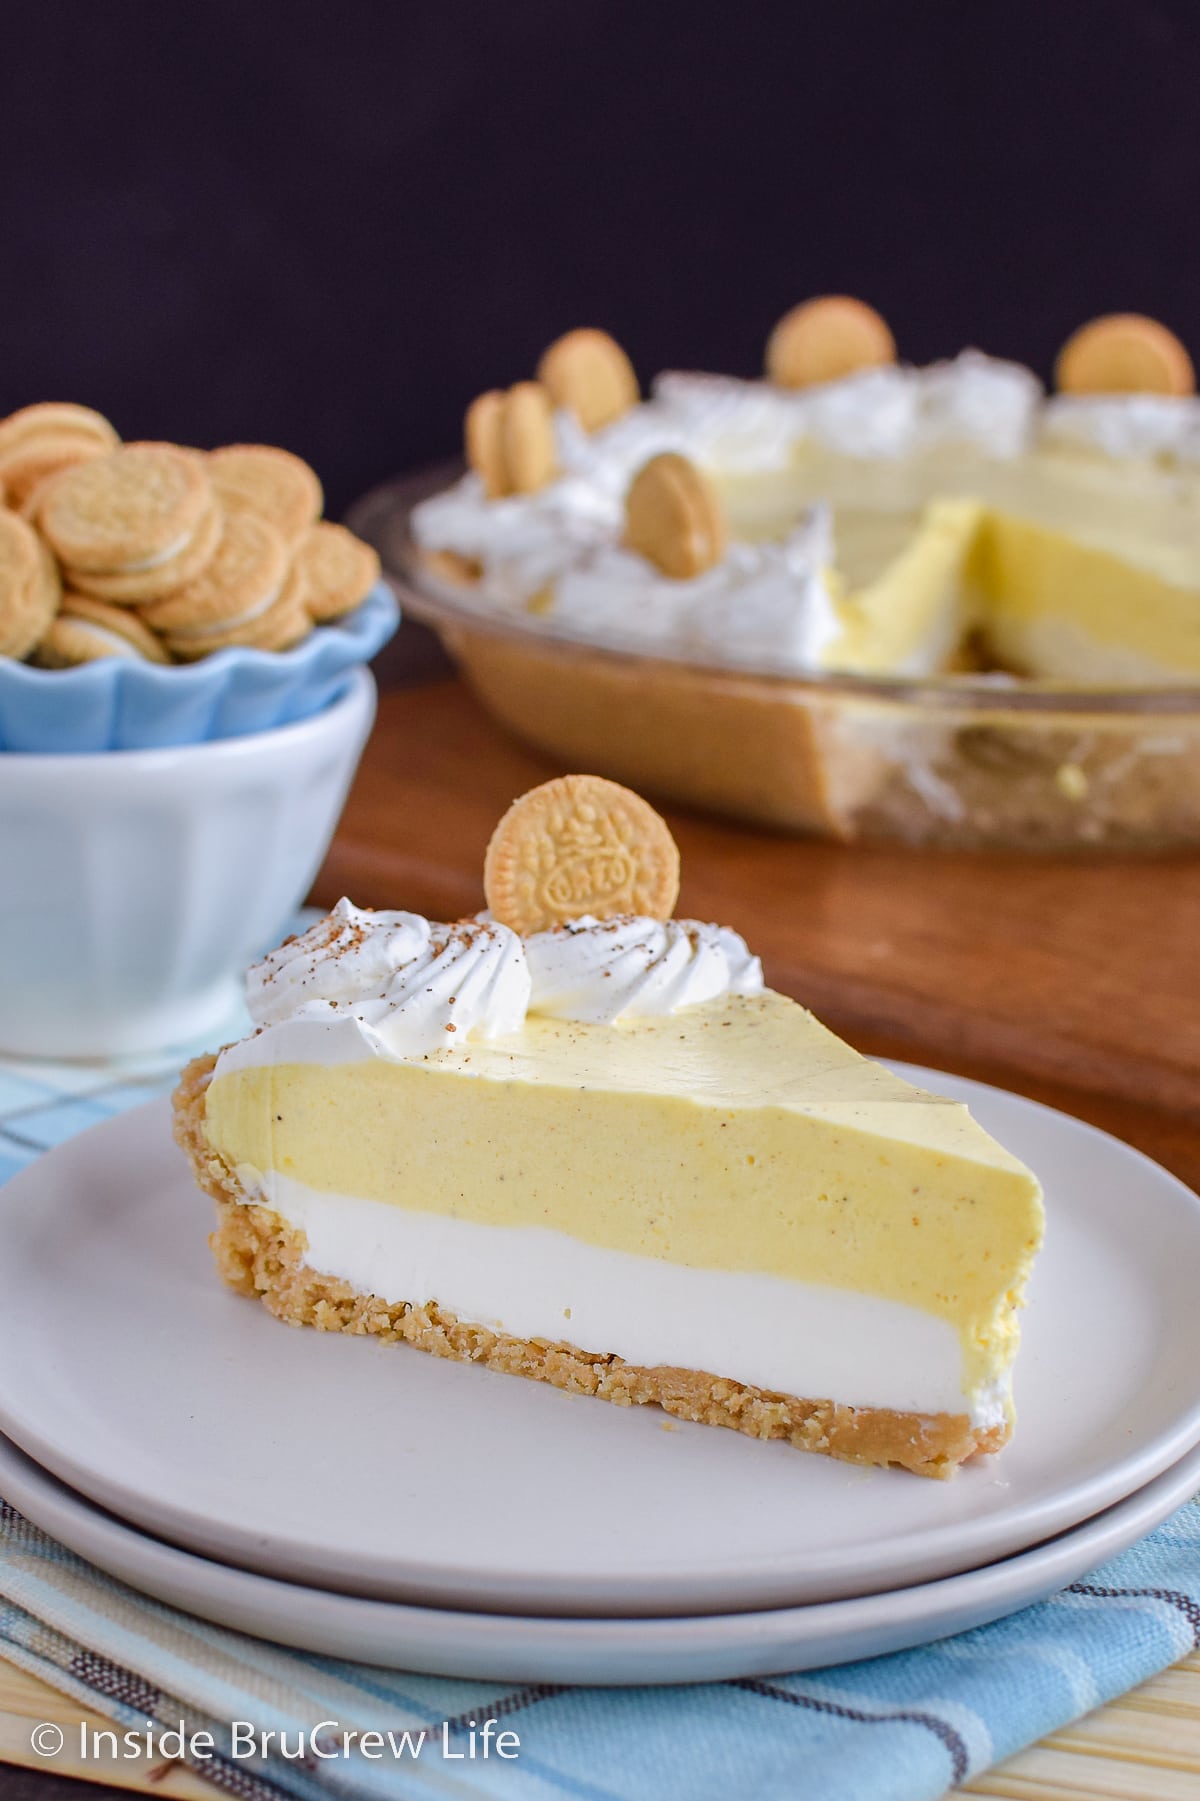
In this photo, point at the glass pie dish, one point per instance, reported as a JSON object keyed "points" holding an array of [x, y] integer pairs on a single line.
{"points": [[971, 760]]}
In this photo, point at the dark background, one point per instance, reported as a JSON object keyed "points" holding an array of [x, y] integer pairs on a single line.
{"points": [[328, 227]]}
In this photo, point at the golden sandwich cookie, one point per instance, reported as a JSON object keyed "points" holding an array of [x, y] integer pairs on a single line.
{"points": [[527, 438], [279, 487], [589, 374], [132, 524], [38, 441], [338, 569], [482, 442], [1124, 353], [30, 508], [823, 340], [88, 631], [673, 517], [136, 587], [580, 845], [30, 588], [510, 441], [281, 626], [245, 595]]}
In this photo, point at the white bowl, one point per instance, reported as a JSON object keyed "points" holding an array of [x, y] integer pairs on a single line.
{"points": [[136, 885]]}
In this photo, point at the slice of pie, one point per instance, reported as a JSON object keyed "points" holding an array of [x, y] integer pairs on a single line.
{"points": [[577, 1140]]}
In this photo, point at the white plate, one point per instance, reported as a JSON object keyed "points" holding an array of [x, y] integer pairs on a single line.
{"points": [[130, 1372], [518, 1648]]}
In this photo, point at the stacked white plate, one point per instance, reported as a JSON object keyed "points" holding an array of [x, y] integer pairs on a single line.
{"points": [[370, 1502]]}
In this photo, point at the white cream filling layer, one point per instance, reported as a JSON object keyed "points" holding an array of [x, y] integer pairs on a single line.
{"points": [[142, 564], [114, 644], [791, 1338], [1063, 650]]}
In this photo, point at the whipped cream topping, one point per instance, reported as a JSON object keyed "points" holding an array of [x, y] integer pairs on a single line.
{"points": [[561, 547], [893, 411], [523, 541], [603, 970], [609, 459], [978, 400], [730, 425], [360, 983], [763, 602], [1126, 425], [415, 987]]}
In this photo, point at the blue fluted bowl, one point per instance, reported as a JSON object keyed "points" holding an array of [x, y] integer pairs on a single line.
{"points": [[121, 703]]}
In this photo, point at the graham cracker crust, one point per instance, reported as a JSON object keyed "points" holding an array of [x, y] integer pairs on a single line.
{"points": [[259, 1254]]}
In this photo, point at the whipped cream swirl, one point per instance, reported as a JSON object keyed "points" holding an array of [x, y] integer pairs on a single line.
{"points": [[603, 970], [365, 984], [415, 987]]}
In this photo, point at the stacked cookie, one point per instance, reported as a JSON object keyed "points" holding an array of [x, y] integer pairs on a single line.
{"points": [[509, 434], [153, 550]]}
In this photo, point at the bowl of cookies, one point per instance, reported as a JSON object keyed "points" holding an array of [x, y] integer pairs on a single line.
{"points": [[155, 595], [853, 597], [183, 702]]}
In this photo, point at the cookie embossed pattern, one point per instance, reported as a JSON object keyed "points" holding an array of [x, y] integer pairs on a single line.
{"points": [[580, 845], [152, 595]]}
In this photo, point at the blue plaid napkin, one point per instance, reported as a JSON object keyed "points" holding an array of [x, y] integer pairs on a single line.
{"points": [[900, 1728]]}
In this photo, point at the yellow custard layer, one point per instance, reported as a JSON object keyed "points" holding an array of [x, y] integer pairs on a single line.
{"points": [[740, 1135], [1072, 566]]}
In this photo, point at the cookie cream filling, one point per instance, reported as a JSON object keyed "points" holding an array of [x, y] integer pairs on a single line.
{"points": [[174, 549], [215, 628], [114, 644]]}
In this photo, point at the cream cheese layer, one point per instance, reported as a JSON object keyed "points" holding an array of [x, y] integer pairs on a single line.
{"points": [[535, 1283], [738, 1136]]}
